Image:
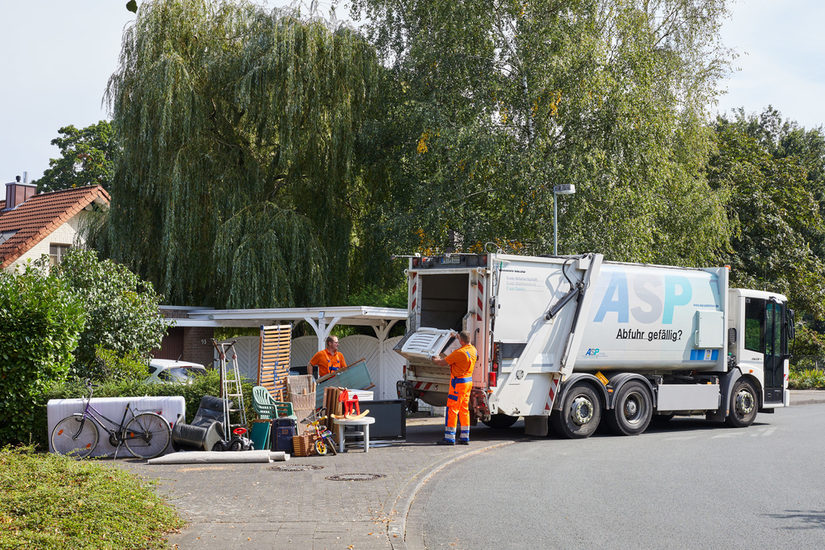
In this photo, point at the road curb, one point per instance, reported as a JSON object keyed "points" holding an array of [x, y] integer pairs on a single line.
{"points": [[397, 526]]}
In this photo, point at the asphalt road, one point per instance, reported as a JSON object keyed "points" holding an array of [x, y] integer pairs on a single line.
{"points": [[691, 484]]}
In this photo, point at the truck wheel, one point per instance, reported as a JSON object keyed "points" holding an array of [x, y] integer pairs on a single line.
{"points": [[500, 421], [743, 404], [632, 410], [580, 413]]}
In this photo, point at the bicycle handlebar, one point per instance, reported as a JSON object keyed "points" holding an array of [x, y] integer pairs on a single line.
{"points": [[91, 387]]}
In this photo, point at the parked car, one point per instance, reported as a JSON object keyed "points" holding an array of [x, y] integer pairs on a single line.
{"points": [[169, 370]]}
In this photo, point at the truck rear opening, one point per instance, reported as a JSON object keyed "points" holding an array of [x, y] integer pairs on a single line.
{"points": [[444, 300], [447, 294]]}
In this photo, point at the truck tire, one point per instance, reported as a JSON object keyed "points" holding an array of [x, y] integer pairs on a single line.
{"points": [[744, 404], [501, 421], [580, 413], [632, 410]]}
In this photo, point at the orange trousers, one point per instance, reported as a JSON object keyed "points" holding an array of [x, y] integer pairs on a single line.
{"points": [[458, 409]]}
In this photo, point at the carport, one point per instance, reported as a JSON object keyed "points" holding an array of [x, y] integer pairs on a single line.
{"points": [[385, 366]]}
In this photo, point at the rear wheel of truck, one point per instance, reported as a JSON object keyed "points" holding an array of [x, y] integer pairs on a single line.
{"points": [[743, 404], [580, 413], [500, 421], [632, 410]]}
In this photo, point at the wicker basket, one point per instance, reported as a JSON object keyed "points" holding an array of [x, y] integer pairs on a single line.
{"points": [[303, 400], [302, 445]]}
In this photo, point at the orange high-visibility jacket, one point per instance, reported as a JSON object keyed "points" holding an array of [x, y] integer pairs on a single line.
{"points": [[462, 361], [327, 362]]}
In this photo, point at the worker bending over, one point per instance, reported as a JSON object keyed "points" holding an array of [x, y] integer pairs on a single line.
{"points": [[461, 363], [329, 359]]}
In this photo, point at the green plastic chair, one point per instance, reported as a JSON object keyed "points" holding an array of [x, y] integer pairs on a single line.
{"points": [[267, 408]]}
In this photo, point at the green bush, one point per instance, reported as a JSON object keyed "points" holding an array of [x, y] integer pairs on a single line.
{"points": [[808, 345], [41, 323], [122, 310], [114, 366], [806, 379]]}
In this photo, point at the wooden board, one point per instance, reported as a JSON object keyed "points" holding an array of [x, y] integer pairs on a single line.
{"points": [[273, 359]]}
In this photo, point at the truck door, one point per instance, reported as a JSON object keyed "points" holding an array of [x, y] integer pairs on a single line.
{"points": [[764, 333]]}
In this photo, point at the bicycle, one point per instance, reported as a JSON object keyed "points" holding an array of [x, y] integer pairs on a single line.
{"points": [[321, 436], [145, 435]]}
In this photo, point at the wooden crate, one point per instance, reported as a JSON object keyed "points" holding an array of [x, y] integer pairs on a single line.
{"points": [[302, 445]]}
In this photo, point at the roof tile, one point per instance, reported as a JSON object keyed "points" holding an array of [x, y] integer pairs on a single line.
{"points": [[38, 217]]}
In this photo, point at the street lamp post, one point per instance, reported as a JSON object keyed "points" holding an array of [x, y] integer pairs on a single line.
{"points": [[564, 189]]}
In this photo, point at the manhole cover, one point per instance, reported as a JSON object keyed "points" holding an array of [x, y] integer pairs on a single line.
{"points": [[355, 477], [296, 467]]}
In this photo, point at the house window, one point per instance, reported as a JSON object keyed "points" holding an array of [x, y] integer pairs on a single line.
{"points": [[56, 253], [6, 235]]}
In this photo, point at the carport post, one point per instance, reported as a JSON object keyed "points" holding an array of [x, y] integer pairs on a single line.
{"points": [[321, 328]]}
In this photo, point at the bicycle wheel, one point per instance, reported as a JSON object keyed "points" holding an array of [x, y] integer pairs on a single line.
{"points": [[147, 435], [320, 447], [75, 435]]}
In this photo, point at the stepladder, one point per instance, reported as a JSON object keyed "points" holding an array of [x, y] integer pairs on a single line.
{"points": [[234, 411]]}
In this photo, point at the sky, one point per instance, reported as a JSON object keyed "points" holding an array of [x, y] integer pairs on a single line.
{"points": [[56, 57]]}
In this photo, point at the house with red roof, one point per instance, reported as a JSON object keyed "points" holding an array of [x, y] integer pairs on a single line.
{"points": [[49, 223]]}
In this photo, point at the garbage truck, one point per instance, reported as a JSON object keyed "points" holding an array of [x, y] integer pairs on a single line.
{"points": [[569, 342]]}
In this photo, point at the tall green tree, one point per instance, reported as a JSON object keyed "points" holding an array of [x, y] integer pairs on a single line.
{"points": [[772, 171], [489, 104], [238, 180], [88, 157]]}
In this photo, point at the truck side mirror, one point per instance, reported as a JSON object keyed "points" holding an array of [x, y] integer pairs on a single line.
{"points": [[732, 335]]}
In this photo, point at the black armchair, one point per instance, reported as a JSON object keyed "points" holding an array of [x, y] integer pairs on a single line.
{"points": [[206, 428]]}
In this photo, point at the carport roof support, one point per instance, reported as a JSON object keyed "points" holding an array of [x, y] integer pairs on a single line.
{"points": [[322, 319]]}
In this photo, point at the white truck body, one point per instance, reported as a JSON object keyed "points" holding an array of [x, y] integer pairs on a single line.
{"points": [[632, 340]]}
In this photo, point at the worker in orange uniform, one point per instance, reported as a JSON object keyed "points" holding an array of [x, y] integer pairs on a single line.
{"points": [[461, 363], [329, 359]]}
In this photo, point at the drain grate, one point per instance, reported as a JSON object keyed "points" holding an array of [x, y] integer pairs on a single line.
{"points": [[355, 477], [296, 467]]}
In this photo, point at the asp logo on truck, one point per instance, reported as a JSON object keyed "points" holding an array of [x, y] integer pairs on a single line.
{"points": [[655, 298]]}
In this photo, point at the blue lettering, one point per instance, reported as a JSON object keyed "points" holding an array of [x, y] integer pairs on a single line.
{"points": [[615, 299], [648, 290], [674, 298]]}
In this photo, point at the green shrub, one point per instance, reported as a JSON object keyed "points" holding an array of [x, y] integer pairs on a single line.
{"points": [[115, 366], [123, 314], [806, 379], [52, 501], [808, 346], [41, 323]]}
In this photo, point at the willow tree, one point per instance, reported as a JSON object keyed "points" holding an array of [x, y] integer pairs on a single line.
{"points": [[238, 128], [493, 102]]}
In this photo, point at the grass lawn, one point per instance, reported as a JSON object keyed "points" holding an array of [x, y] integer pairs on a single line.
{"points": [[49, 501]]}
